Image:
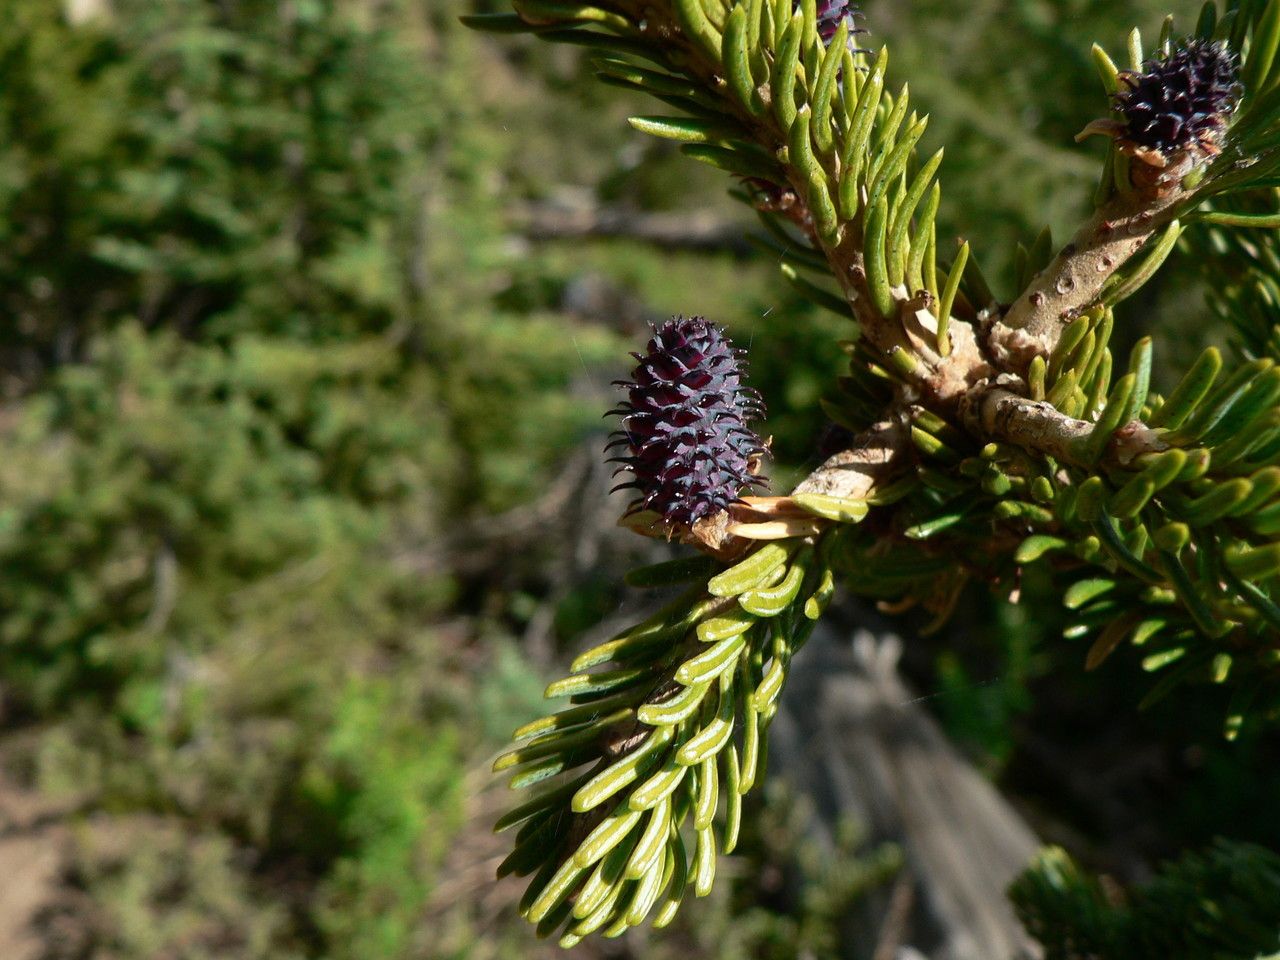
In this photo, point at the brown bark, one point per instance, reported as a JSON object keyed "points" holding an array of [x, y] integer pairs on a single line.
{"points": [[1073, 281], [1036, 425], [852, 474]]}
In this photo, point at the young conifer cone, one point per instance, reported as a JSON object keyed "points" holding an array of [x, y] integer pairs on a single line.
{"points": [[1181, 101], [684, 423]]}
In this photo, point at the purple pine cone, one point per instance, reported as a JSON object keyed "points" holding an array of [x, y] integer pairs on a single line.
{"points": [[684, 423], [1182, 100]]}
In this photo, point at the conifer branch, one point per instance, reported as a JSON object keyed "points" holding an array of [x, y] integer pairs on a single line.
{"points": [[986, 439], [854, 473], [1036, 425], [1073, 282]]}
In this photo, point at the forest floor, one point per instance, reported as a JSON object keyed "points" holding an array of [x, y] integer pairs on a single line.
{"points": [[33, 836]]}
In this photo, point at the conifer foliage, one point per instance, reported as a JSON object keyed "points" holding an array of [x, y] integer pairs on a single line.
{"points": [[989, 436]]}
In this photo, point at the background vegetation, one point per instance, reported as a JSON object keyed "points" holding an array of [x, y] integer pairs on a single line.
{"points": [[300, 497]]}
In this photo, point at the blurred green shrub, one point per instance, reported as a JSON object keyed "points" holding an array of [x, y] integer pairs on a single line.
{"points": [[245, 416], [213, 168]]}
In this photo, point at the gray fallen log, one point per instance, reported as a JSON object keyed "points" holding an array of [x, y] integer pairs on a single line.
{"points": [[691, 229], [858, 742]]}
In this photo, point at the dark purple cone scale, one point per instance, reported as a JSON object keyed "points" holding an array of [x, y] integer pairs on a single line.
{"points": [[832, 13], [684, 423], [1182, 100]]}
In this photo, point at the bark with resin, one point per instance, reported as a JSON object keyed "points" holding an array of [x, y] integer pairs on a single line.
{"points": [[1074, 280]]}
